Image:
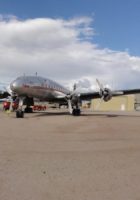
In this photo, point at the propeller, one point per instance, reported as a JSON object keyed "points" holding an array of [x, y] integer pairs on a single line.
{"points": [[105, 93]]}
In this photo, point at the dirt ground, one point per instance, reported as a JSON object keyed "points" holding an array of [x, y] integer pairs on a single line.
{"points": [[55, 156]]}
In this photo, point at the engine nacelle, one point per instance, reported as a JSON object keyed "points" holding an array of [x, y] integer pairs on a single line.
{"points": [[106, 94]]}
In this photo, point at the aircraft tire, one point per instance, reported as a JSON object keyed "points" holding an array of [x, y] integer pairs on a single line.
{"points": [[76, 112], [19, 114]]}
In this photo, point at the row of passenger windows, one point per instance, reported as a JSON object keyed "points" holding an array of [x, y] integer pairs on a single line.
{"points": [[53, 86], [44, 83]]}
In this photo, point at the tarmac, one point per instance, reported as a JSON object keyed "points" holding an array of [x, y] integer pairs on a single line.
{"points": [[55, 156]]}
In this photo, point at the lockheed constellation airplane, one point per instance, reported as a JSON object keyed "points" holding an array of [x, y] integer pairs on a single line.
{"points": [[27, 88]]}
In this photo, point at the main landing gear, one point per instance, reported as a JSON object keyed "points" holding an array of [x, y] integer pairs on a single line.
{"points": [[74, 110]]}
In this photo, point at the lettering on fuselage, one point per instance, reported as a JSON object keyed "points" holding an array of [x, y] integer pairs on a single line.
{"points": [[46, 87], [38, 87]]}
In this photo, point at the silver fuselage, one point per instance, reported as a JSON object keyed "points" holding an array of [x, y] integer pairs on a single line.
{"points": [[38, 87]]}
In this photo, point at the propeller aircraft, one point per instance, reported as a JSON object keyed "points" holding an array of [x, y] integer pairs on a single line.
{"points": [[27, 88]]}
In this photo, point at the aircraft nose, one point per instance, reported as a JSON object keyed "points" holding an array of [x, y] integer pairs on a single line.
{"points": [[15, 85]]}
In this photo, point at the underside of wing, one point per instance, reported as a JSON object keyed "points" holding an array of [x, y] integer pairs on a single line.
{"points": [[107, 94], [90, 95]]}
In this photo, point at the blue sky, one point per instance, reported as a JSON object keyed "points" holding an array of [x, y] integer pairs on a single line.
{"points": [[116, 22]]}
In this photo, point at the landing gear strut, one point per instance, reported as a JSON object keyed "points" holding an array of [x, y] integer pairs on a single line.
{"points": [[19, 112], [74, 110]]}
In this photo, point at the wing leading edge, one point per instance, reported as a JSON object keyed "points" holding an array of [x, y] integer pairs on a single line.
{"points": [[107, 92]]}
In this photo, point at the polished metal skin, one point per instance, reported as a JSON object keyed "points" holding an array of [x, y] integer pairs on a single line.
{"points": [[38, 87]]}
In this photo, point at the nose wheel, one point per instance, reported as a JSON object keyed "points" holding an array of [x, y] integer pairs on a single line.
{"points": [[19, 114]]}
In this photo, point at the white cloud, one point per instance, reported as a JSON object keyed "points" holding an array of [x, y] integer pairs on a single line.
{"points": [[61, 49]]}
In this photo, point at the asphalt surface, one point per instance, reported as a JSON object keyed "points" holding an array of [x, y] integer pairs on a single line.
{"points": [[54, 156]]}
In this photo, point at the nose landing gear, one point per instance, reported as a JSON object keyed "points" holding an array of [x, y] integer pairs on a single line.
{"points": [[19, 112]]}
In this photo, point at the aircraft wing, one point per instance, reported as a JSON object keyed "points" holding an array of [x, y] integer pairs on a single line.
{"points": [[4, 94], [106, 94], [131, 91], [90, 95]]}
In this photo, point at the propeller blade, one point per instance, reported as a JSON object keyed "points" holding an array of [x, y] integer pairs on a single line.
{"points": [[99, 104], [11, 104], [70, 106], [74, 87], [8, 89], [100, 85]]}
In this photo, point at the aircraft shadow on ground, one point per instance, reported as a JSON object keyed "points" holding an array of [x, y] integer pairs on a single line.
{"points": [[100, 114], [110, 115], [44, 114]]}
